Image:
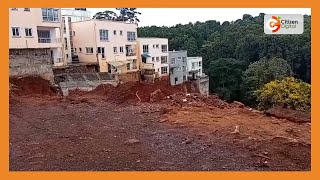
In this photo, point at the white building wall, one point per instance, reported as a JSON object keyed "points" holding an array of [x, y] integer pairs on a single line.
{"points": [[197, 61], [155, 53]]}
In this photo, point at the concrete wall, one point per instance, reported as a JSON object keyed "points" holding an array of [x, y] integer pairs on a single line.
{"points": [[203, 82], [30, 62], [128, 77], [178, 67]]}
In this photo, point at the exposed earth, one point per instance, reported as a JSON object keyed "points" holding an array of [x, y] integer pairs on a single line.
{"points": [[109, 128]]}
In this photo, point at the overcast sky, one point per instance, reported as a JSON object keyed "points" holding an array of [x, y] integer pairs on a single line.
{"points": [[173, 16]]}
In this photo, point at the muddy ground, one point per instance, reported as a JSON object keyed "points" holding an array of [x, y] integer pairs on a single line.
{"points": [[92, 133]]}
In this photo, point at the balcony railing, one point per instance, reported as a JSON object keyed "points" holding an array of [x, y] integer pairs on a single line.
{"points": [[131, 54], [49, 40]]}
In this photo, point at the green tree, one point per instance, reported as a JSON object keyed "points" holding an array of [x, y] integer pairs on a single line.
{"points": [[289, 92], [108, 15], [225, 78], [262, 72], [125, 14]]}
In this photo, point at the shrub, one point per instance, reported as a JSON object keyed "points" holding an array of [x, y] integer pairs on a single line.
{"points": [[289, 92]]}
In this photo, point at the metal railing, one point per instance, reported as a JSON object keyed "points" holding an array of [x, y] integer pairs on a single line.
{"points": [[131, 54], [49, 40]]}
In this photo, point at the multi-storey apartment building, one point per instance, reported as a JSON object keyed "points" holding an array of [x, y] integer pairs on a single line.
{"points": [[194, 67], [111, 44], [178, 67], [154, 54], [35, 36], [69, 16]]}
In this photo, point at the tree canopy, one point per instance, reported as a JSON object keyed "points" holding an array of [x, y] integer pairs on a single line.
{"points": [[125, 14]]}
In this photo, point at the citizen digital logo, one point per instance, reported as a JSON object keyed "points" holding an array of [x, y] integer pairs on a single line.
{"points": [[283, 24]]}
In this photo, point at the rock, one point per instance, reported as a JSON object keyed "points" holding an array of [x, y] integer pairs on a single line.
{"points": [[236, 131], [187, 141], [238, 104], [184, 100], [162, 120], [132, 141], [157, 95], [289, 114]]}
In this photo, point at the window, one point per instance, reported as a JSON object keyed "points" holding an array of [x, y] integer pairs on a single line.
{"points": [[99, 49], [69, 19], [184, 68], [145, 48], [184, 78], [114, 49], [153, 46], [179, 58], [157, 59], [63, 19], [15, 32], [103, 34], [157, 46], [200, 63], [175, 80], [75, 50], [184, 59], [128, 66], [66, 43], [89, 50], [50, 14], [44, 36], [26, 9], [152, 59], [28, 32], [80, 49], [193, 65], [73, 33], [72, 50], [121, 49], [14, 9], [164, 59], [164, 70], [173, 60], [115, 32], [121, 33], [164, 48], [131, 36], [134, 64]]}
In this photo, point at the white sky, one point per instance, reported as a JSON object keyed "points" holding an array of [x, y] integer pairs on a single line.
{"points": [[173, 16]]}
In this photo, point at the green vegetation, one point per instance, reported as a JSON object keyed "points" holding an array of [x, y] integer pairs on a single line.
{"points": [[289, 92], [238, 56]]}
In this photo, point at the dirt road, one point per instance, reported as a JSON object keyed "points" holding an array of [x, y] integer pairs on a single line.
{"points": [[93, 134]]}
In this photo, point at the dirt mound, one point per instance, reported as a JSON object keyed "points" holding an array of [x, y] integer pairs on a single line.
{"points": [[31, 86], [289, 114]]}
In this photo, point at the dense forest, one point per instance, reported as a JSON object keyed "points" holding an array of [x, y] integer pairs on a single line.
{"points": [[238, 56]]}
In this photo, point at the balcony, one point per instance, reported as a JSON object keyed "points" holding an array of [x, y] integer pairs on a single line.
{"points": [[128, 54], [49, 42], [147, 66]]}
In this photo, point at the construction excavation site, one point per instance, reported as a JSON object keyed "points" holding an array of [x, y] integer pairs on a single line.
{"points": [[146, 126]]}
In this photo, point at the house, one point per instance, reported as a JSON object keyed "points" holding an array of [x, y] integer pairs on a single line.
{"points": [[178, 67], [110, 44], [35, 36], [154, 55], [195, 74], [194, 67], [69, 16]]}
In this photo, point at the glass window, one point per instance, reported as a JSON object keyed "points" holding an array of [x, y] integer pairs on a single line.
{"points": [[131, 36], [115, 50], [89, 50], [115, 32], [103, 34], [80, 49], [28, 32], [184, 59], [145, 48], [157, 59], [173, 60], [164, 48], [164, 70], [50, 14], [15, 32], [121, 49], [164, 59], [26, 9], [120, 33]]}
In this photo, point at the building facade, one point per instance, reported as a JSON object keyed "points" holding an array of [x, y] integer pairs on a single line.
{"points": [[194, 67], [154, 55], [35, 36], [69, 16], [111, 44], [178, 67]]}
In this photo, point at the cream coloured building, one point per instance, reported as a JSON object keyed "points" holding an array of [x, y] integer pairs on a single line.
{"points": [[154, 54], [34, 33], [69, 16], [111, 44]]}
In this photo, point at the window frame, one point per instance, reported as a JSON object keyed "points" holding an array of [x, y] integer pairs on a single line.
{"points": [[17, 31], [104, 35], [91, 48], [162, 70], [29, 30]]}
